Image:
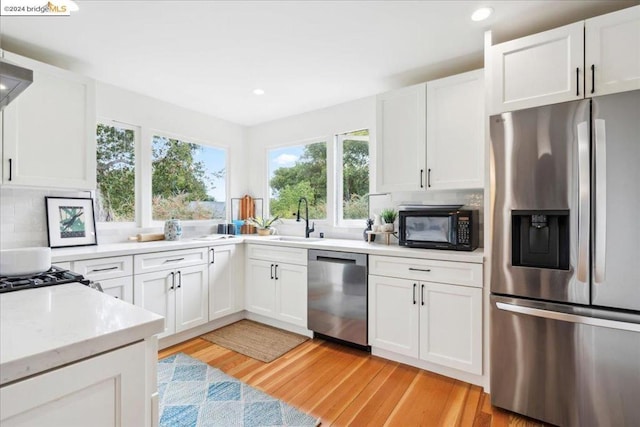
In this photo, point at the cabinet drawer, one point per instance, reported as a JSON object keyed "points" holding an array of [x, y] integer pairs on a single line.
{"points": [[104, 268], [121, 288], [456, 273], [278, 254], [158, 261]]}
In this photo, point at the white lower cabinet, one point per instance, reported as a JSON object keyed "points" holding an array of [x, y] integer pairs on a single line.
{"points": [[434, 322], [277, 290], [121, 288], [181, 296], [225, 281], [103, 391]]}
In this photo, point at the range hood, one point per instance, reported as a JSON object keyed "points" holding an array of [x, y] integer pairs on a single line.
{"points": [[13, 80]]}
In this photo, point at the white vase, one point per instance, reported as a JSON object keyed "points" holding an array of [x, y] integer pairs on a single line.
{"points": [[377, 223]]}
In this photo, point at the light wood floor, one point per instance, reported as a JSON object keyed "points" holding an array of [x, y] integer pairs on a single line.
{"points": [[348, 387]]}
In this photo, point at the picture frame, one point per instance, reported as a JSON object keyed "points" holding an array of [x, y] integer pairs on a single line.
{"points": [[70, 222]]}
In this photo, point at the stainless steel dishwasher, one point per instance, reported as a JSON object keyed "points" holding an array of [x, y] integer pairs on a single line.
{"points": [[337, 298]]}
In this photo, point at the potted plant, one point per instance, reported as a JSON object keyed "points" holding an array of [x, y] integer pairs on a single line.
{"points": [[264, 224], [388, 216]]}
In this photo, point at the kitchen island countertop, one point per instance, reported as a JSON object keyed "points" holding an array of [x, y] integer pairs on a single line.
{"points": [[46, 328]]}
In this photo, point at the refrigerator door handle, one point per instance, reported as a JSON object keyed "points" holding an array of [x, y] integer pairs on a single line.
{"points": [[566, 317], [600, 219], [583, 202]]}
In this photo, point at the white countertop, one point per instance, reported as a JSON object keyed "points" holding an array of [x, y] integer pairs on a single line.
{"points": [[360, 246], [45, 328]]}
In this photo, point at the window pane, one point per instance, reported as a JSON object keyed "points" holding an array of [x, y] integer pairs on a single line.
{"points": [[188, 180], [298, 171], [115, 195], [355, 174]]}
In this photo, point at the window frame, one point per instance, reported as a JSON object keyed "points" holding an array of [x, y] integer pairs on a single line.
{"points": [[334, 178], [137, 138], [340, 221], [147, 217], [305, 142]]}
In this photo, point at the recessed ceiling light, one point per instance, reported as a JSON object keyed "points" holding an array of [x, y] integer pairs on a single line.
{"points": [[258, 92], [2, 87], [481, 14]]}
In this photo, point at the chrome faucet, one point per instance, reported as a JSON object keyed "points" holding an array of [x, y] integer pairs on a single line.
{"points": [[307, 230]]}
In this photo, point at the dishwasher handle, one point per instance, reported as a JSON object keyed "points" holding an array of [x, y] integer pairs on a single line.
{"points": [[335, 260], [336, 257]]}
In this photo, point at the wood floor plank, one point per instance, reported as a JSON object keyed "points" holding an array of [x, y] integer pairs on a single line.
{"points": [[382, 403], [347, 387], [345, 392], [425, 402]]}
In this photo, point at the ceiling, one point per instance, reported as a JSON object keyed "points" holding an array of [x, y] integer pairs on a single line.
{"points": [[209, 56]]}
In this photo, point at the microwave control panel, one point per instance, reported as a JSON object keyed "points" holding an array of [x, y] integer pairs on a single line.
{"points": [[463, 231]]}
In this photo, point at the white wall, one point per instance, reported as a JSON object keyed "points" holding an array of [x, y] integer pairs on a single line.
{"points": [[22, 214]]}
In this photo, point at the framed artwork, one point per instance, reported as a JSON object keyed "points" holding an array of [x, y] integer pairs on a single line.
{"points": [[70, 222]]}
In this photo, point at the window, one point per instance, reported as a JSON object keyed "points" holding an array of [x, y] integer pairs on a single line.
{"points": [[115, 194], [353, 168], [188, 180], [298, 171]]}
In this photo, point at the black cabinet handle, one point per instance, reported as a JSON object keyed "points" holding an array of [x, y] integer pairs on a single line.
{"points": [[421, 178], [414, 293], [179, 278], [173, 281], [593, 78], [276, 271], [272, 272], [577, 81], [429, 177], [213, 256], [420, 269], [95, 270], [10, 168], [422, 294]]}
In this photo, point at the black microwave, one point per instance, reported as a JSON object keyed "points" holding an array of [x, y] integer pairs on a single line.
{"points": [[436, 228]]}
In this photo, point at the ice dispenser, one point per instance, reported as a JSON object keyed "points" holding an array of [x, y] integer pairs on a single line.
{"points": [[540, 239]]}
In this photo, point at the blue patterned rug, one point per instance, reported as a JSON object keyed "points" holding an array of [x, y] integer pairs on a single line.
{"points": [[194, 394]]}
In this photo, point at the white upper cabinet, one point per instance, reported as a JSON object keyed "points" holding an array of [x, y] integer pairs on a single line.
{"points": [[589, 58], [49, 131], [540, 69], [455, 132], [612, 52], [401, 139]]}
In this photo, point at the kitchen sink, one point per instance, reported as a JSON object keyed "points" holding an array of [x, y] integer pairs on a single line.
{"points": [[296, 239]]}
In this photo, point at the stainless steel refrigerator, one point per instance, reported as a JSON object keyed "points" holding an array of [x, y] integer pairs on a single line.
{"points": [[565, 261]]}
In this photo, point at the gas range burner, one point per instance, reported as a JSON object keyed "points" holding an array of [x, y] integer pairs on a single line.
{"points": [[55, 276]]}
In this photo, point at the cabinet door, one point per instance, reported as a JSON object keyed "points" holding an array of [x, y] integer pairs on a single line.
{"points": [[121, 288], [393, 315], [102, 391], [455, 132], [541, 69], [401, 139], [261, 287], [612, 52], [156, 292], [451, 326], [192, 297], [222, 283], [291, 293], [50, 130]]}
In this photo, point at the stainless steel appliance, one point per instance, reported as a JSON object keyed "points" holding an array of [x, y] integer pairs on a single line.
{"points": [[565, 276], [337, 297], [13, 80], [54, 276], [438, 228]]}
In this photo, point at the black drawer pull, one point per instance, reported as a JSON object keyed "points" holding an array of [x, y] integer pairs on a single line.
{"points": [[427, 270], [96, 270]]}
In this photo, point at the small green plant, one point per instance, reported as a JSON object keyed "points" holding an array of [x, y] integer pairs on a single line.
{"points": [[389, 215], [265, 222]]}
